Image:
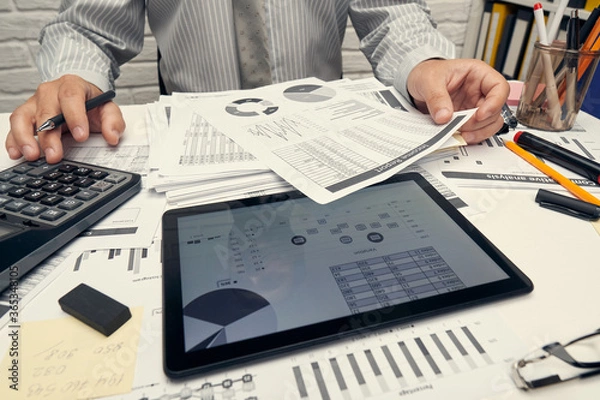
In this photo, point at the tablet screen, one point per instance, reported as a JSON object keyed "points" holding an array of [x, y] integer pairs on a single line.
{"points": [[273, 266]]}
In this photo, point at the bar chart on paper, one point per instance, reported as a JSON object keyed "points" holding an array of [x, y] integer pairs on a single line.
{"points": [[423, 360]]}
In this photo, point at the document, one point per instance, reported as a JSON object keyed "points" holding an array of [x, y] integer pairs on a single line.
{"points": [[325, 141]]}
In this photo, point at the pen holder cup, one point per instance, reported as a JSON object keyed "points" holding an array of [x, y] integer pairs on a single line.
{"points": [[555, 85]]}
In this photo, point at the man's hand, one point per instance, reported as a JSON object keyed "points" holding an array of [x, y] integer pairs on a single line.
{"points": [[440, 87], [66, 95]]}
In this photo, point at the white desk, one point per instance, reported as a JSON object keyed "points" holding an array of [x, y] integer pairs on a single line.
{"points": [[557, 252]]}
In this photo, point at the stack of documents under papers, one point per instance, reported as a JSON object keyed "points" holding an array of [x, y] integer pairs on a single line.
{"points": [[327, 139]]}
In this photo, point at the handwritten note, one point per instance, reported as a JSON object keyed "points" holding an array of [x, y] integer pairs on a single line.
{"points": [[66, 359]]}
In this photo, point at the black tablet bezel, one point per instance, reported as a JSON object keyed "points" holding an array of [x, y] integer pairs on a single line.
{"points": [[179, 363]]}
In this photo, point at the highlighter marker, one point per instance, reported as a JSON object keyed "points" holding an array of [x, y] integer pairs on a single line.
{"points": [[557, 154]]}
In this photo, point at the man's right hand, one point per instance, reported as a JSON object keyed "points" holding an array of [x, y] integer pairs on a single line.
{"points": [[66, 95]]}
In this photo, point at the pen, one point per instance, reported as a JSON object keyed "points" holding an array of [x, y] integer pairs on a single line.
{"points": [[59, 119], [591, 43], [557, 154], [588, 25], [509, 117], [567, 205], [572, 60], [558, 16], [551, 90], [552, 173]]}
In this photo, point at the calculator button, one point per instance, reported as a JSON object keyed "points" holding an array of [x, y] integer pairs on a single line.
{"points": [[33, 210], [101, 186], [5, 187], [86, 195], [41, 170], [52, 187], [67, 179], [68, 191], [52, 215], [36, 183], [115, 178], [51, 200], [68, 168], [52, 176], [38, 162], [98, 174], [70, 204], [36, 195], [18, 192], [82, 171], [16, 205], [22, 169], [20, 180], [84, 182], [7, 176]]}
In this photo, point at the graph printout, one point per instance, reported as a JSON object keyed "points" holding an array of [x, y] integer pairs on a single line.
{"points": [[325, 141]]}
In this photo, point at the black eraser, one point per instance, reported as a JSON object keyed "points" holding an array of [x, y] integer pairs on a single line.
{"points": [[95, 309]]}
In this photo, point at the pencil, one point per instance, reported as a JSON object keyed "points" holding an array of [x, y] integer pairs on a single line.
{"points": [[565, 182], [592, 43]]}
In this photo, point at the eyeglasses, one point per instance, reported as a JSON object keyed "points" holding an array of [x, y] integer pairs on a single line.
{"points": [[562, 363]]}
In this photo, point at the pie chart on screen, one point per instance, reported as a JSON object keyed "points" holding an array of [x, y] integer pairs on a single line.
{"points": [[309, 93], [225, 316]]}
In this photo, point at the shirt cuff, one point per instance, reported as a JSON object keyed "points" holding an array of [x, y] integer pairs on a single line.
{"points": [[94, 78], [411, 60]]}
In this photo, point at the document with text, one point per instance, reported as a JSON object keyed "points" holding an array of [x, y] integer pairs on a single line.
{"points": [[324, 140]]}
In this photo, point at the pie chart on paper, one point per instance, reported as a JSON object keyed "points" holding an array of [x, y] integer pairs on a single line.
{"points": [[309, 93], [225, 316]]}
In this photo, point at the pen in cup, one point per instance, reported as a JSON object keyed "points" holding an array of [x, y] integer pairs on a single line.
{"points": [[572, 59], [59, 119], [554, 24], [551, 90]]}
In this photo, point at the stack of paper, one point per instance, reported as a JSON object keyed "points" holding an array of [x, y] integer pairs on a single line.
{"points": [[325, 139]]}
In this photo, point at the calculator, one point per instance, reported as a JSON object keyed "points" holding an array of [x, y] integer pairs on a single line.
{"points": [[44, 206]]}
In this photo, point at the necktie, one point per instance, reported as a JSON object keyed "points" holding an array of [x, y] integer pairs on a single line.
{"points": [[249, 20]]}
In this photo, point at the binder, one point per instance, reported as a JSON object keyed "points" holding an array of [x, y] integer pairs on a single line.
{"points": [[518, 43], [502, 50], [498, 19], [483, 31]]}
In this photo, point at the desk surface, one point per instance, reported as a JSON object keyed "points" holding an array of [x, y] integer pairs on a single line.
{"points": [[557, 252]]}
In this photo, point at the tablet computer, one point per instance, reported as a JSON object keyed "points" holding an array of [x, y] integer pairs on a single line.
{"points": [[255, 277]]}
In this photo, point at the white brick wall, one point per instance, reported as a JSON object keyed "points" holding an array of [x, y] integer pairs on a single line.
{"points": [[21, 20]]}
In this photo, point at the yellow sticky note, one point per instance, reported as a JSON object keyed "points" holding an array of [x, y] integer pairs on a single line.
{"points": [[65, 359]]}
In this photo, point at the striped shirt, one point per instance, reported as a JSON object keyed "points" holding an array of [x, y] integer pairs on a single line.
{"points": [[196, 39]]}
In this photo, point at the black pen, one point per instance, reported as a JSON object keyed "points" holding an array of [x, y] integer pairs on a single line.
{"points": [[58, 120], [567, 205], [557, 154], [572, 55], [509, 117]]}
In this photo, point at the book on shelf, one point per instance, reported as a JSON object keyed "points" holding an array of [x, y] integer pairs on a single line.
{"points": [[518, 43], [507, 33], [500, 11], [483, 30]]}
